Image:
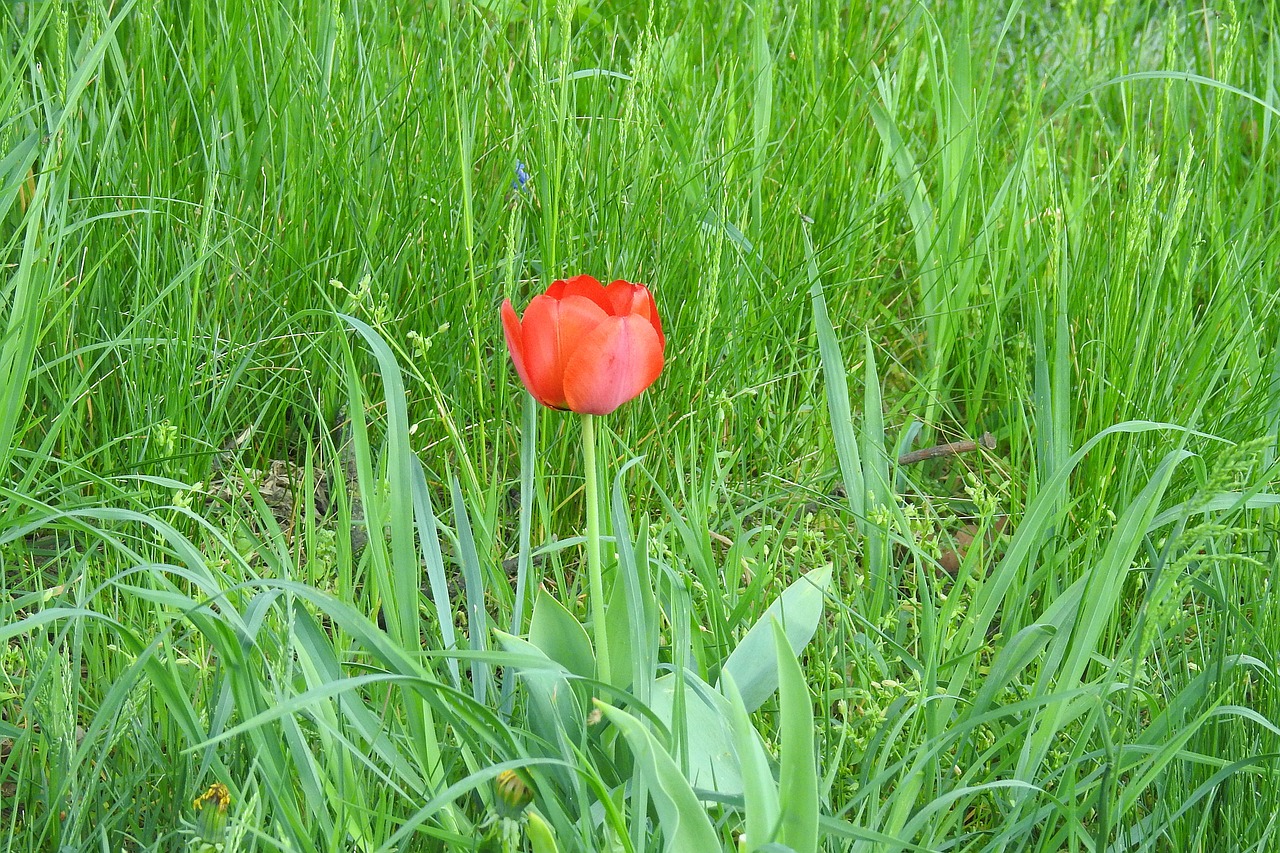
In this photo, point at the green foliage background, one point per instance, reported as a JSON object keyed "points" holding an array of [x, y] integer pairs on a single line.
{"points": [[1038, 220]]}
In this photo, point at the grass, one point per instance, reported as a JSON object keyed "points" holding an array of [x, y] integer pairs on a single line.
{"points": [[249, 233]]}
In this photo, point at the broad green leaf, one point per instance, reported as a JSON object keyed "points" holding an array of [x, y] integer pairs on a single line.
{"points": [[684, 822], [798, 776], [541, 837], [752, 664], [473, 583], [552, 708], [706, 729], [560, 636], [759, 789], [632, 612]]}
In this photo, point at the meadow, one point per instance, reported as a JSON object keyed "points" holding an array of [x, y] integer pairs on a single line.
{"points": [[290, 560]]}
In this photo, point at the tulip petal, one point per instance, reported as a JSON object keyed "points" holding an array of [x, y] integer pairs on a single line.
{"points": [[589, 287], [552, 330], [655, 319], [581, 284], [515, 345], [621, 297], [628, 298], [614, 363]]}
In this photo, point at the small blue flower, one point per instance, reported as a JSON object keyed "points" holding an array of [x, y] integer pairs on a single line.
{"points": [[522, 177]]}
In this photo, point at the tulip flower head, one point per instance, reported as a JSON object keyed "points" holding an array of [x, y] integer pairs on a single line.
{"points": [[586, 347]]}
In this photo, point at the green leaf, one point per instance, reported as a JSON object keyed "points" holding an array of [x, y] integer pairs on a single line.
{"points": [[759, 789], [914, 193], [1225, 501], [684, 822], [1014, 657], [528, 458], [761, 106], [875, 455], [798, 776], [752, 664], [14, 168], [541, 837], [319, 663], [632, 612], [705, 728], [402, 579], [473, 583], [553, 710], [1077, 643], [875, 473], [560, 636], [837, 387], [433, 562]]}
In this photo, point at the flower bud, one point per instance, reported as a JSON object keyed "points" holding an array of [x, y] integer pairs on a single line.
{"points": [[212, 809], [513, 793]]}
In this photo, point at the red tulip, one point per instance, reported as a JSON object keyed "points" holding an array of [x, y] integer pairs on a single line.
{"points": [[586, 347]]}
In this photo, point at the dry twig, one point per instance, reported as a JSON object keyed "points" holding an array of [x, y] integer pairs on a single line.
{"points": [[987, 442]]}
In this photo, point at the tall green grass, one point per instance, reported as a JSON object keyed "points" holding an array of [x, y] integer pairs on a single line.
{"points": [[256, 232]]}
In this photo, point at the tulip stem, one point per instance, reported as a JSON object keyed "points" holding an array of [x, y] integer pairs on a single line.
{"points": [[595, 574]]}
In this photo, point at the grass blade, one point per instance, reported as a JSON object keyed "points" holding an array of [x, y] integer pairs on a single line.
{"points": [[837, 386]]}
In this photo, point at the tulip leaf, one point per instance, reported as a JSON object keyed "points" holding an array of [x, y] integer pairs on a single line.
{"points": [[752, 664], [552, 706], [396, 576], [798, 775], [632, 610], [541, 837], [705, 728], [684, 821], [560, 636], [759, 789]]}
